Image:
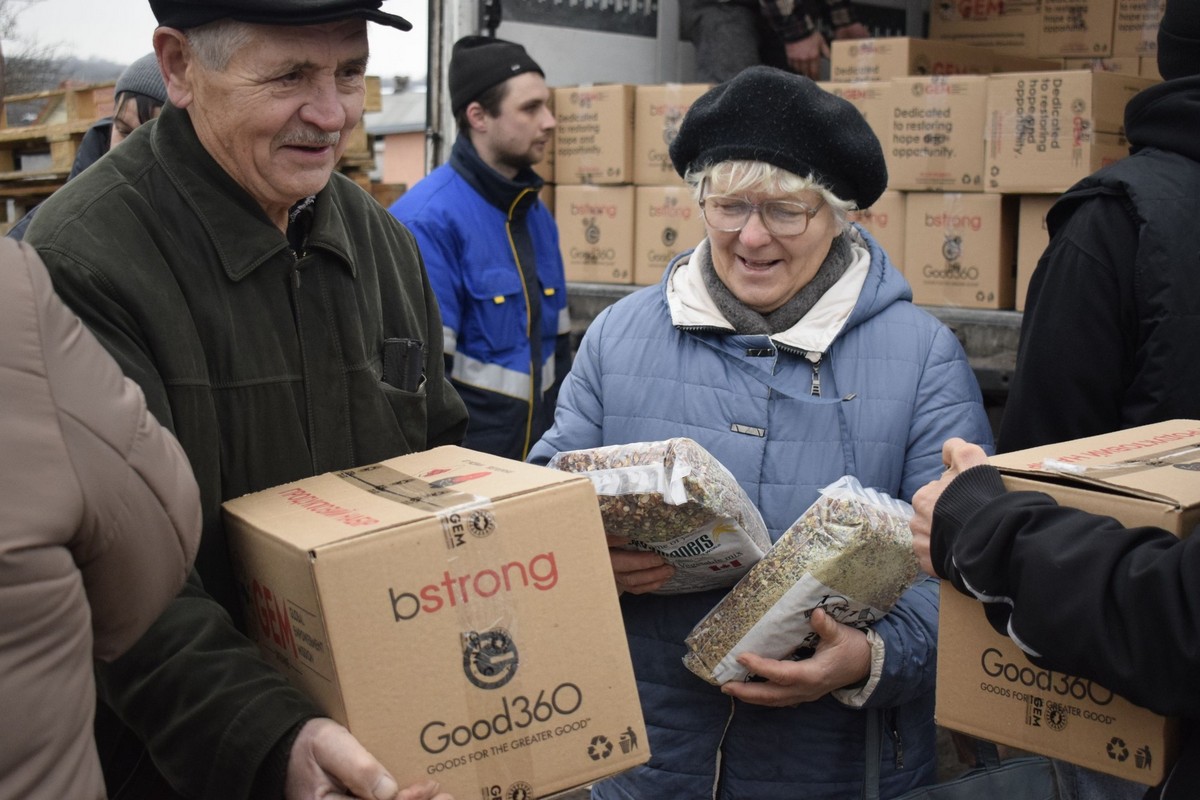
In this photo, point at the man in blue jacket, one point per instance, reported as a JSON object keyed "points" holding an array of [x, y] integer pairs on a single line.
{"points": [[491, 248]]}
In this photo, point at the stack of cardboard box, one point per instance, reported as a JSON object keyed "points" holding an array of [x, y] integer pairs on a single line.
{"points": [[1111, 31], [980, 140], [622, 211]]}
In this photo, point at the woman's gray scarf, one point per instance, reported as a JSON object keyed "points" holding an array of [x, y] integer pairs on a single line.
{"points": [[747, 320]]}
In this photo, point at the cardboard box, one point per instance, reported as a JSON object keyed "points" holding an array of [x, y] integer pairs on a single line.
{"points": [[1135, 30], [958, 249], [1126, 65], [934, 140], [595, 232], [868, 97], [985, 685], [1148, 68], [1007, 26], [657, 113], [1047, 130], [433, 605], [885, 58], [593, 142], [1032, 238], [884, 220], [667, 222], [1074, 29], [546, 195]]}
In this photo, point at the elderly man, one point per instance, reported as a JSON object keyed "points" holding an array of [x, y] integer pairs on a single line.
{"points": [[492, 248], [281, 325]]}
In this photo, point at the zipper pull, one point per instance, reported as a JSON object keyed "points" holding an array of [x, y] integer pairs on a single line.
{"points": [[894, 734], [816, 378]]}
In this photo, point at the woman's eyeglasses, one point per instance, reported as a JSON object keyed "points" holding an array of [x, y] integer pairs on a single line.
{"points": [[782, 218]]}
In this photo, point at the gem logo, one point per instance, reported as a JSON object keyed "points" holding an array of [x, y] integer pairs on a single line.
{"points": [[490, 658], [482, 523], [520, 791], [1056, 716]]}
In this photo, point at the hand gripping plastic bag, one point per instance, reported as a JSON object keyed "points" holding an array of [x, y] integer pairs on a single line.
{"points": [[850, 554], [673, 498]]}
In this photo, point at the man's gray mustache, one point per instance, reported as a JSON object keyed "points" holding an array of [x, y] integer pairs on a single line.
{"points": [[311, 139]]}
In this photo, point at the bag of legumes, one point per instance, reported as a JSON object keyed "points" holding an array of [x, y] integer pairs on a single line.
{"points": [[850, 554], [674, 498]]}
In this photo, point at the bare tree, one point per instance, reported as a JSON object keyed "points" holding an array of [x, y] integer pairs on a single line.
{"points": [[27, 66]]}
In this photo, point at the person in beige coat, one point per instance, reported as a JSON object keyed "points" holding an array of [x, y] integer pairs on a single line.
{"points": [[99, 525]]}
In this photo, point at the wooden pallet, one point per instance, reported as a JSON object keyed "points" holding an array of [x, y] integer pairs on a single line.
{"points": [[51, 122]]}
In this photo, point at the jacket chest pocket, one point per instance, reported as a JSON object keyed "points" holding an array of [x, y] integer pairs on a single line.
{"points": [[498, 316]]}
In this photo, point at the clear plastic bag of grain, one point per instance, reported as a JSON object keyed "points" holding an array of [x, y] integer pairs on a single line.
{"points": [[674, 498], [850, 554]]}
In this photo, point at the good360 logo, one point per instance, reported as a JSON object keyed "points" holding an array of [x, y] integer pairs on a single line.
{"points": [[490, 658]]}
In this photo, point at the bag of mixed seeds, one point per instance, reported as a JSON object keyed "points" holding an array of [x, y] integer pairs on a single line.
{"points": [[674, 498], [850, 554]]}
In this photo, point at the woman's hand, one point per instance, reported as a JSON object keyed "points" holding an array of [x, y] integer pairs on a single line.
{"points": [[843, 658], [636, 571]]}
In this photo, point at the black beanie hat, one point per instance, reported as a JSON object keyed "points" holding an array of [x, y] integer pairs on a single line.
{"points": [[184, 14], [1179, 40], [477, 63], [767, 114]]}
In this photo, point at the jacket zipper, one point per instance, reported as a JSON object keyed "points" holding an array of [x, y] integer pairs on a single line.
{"points": [[529, 333], [816, 378], [893, 732]]}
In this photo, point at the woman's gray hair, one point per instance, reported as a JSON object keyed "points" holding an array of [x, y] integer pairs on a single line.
{"points": [[215, 43], [740, 177]]}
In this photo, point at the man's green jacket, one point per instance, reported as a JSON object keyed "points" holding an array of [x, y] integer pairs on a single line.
{"points": [[266, 358]]}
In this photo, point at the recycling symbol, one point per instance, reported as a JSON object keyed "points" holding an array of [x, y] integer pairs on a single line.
{"points": [[1117, 750], [600, 748]]}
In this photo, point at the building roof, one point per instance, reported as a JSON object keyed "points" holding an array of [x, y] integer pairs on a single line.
{"points": [[403, 112]]}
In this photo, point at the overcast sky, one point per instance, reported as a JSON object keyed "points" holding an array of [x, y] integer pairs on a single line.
{"points": [[121, 30]]}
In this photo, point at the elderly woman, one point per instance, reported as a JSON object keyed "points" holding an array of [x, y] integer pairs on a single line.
{"points": [[788, 347]]}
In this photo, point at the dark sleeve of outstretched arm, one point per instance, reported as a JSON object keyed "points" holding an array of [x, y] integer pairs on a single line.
{"points": [[1120, 606]]}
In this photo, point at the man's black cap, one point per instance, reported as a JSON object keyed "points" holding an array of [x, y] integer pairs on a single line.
{"points": [[184, 14], [477, 63]]}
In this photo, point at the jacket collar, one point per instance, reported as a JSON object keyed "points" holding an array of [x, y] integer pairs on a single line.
{"points": [[1166, 116], [691, 306], [513, 197], [240, 231]]}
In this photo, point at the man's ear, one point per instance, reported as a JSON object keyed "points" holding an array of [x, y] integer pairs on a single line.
{"points": [[175, 59], [478, 117]]}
